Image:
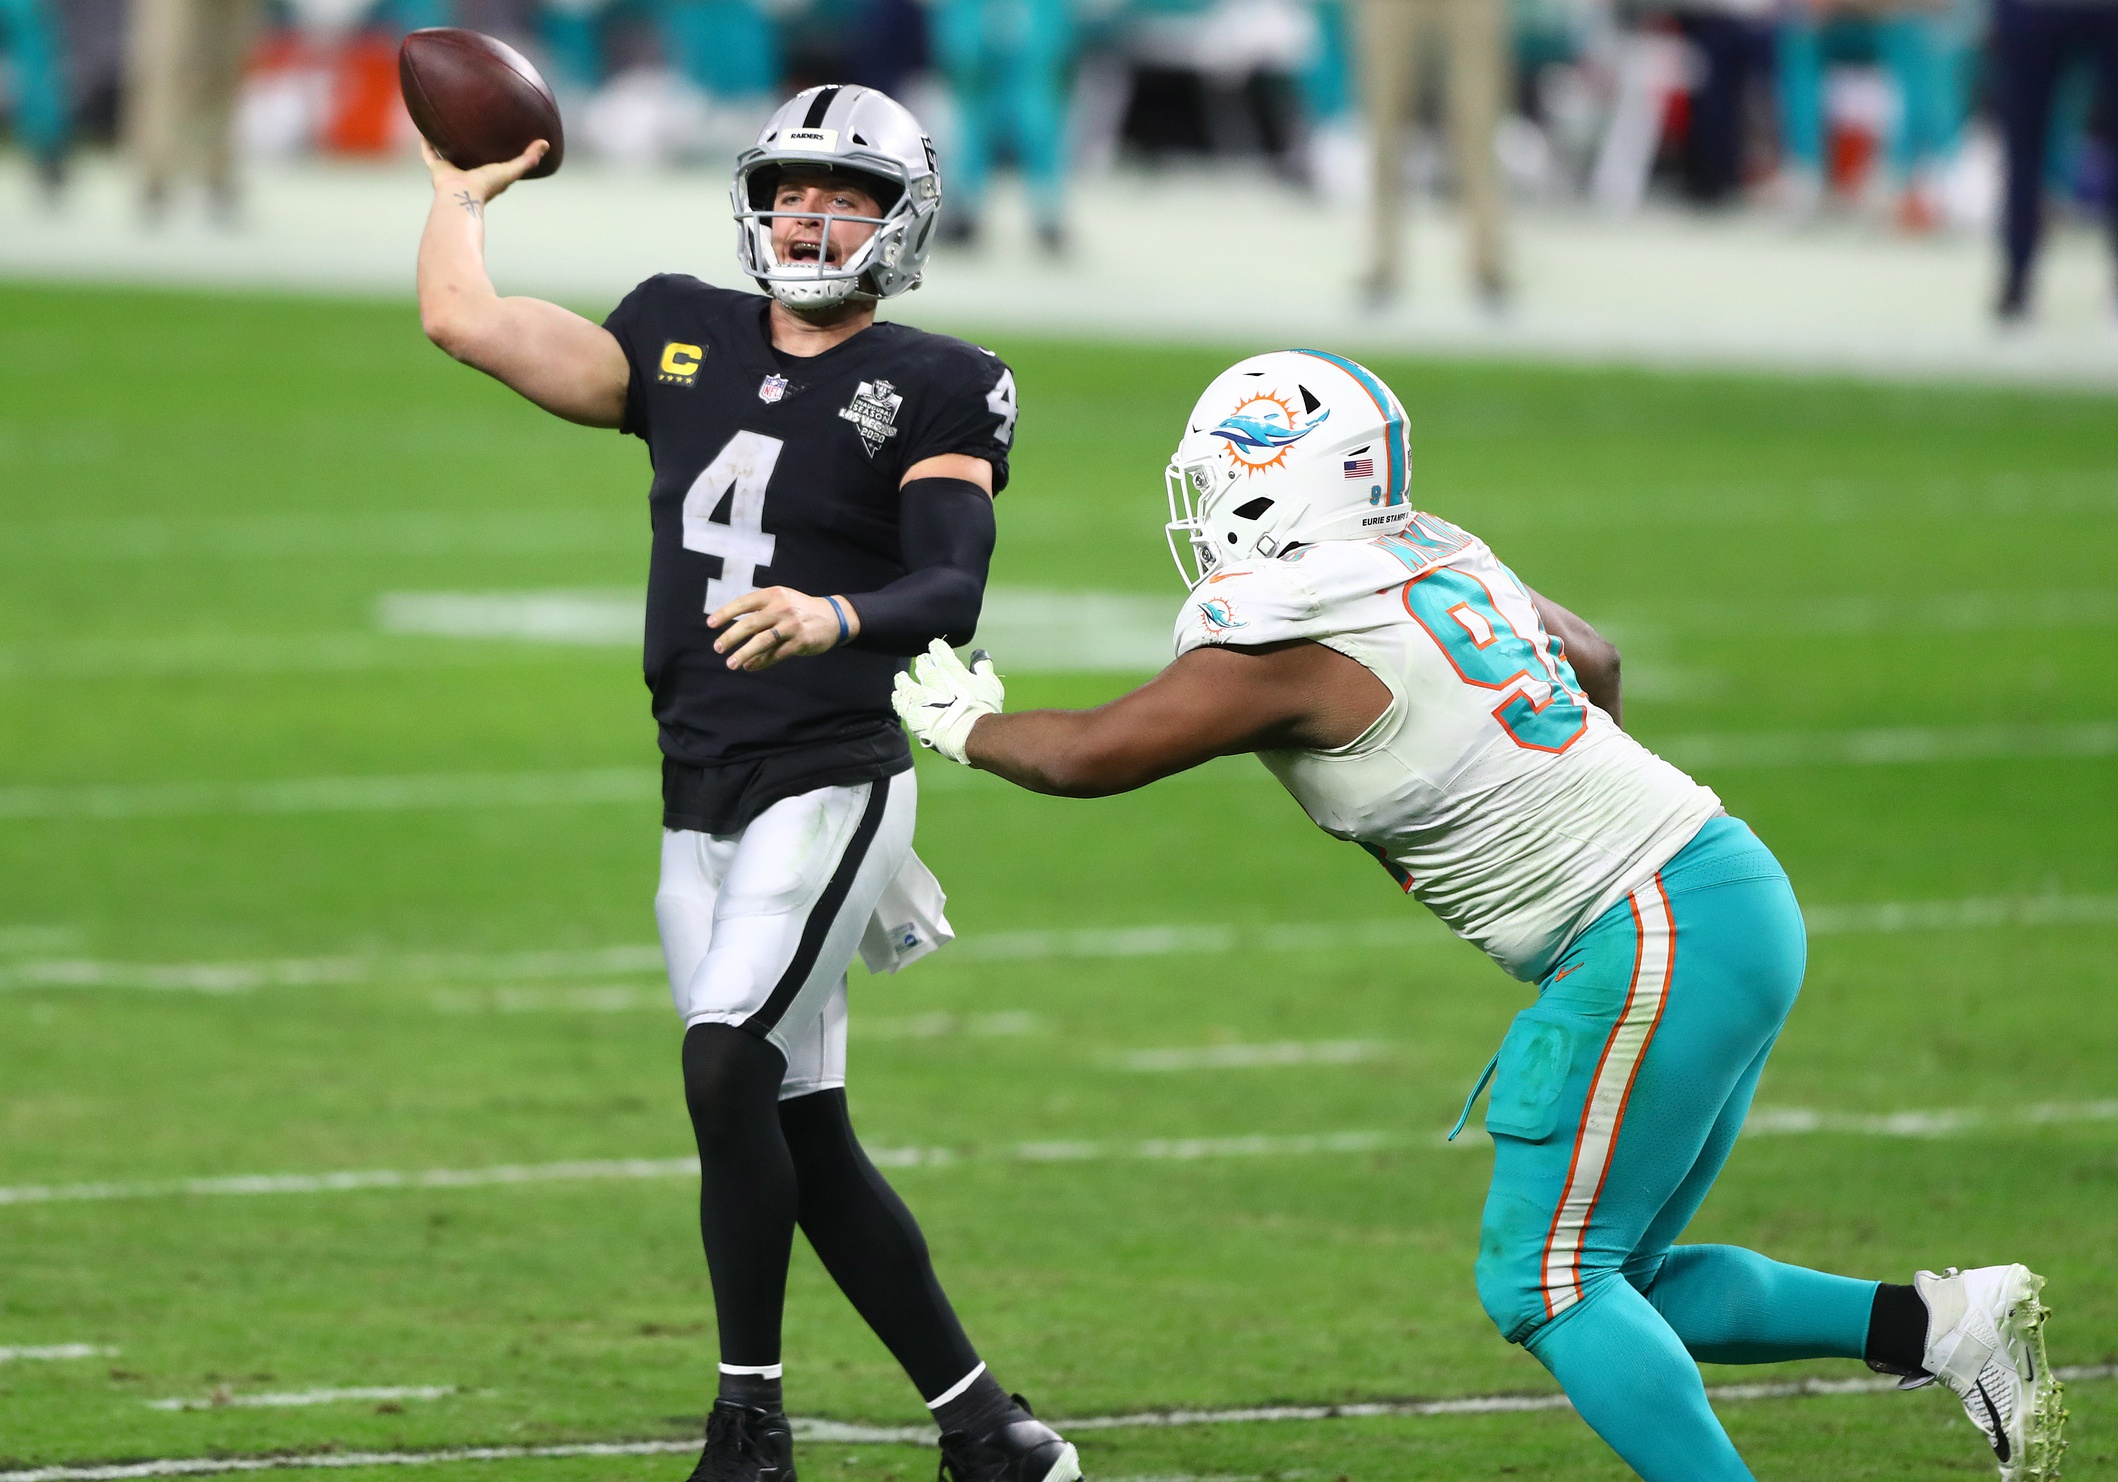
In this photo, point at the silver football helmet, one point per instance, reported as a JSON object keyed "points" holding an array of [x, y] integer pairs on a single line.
{"points": [[861, 132]]}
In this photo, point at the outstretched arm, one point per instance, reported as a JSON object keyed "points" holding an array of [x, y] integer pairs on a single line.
{"points": [[1211, 702], [560, 361], [1594, 657]]}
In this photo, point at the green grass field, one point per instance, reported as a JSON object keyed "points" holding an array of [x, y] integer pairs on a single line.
{"points": [[201, 499]]}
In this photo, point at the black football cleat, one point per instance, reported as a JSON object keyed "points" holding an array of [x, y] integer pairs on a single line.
{"points": [[1021, 1449], [745, 1444]]}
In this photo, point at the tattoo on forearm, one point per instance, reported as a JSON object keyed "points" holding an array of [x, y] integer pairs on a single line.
{"points": [[472, 206]]}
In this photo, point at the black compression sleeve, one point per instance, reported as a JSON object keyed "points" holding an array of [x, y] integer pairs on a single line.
{"points": [[946, 529]]}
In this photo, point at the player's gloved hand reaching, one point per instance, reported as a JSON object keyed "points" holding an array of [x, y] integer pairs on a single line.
{"points": [[939, 699]]}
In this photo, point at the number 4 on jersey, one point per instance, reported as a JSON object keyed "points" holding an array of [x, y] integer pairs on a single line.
{"points": [[738, 473], [1000, 401]]}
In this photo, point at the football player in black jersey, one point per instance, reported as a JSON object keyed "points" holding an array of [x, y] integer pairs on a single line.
{"points": [[822, 507]]}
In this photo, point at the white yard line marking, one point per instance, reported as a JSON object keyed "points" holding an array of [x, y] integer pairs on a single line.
{"points": [[208, 1466], [1769, 1121], [1954, 612], [1245, 1057], [290, 1399], [1411, 929], [1502, 1404], [632, 785], [1037, 631], [1897, 745], [310, 972], [642, 785], [933, 1026], [1034, 631], [603, 998], [55, 1351], [1180, 1149], [270, 653], [1045, 632], [1764, 1121], [611, 618], [844, 1433], [340, 1183], [1892, 917], [334, 536]]}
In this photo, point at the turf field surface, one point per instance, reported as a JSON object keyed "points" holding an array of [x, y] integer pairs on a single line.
{"points": [[204, 499]]}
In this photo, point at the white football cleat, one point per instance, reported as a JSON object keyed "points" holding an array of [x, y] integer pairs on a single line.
{"points": [[1985, 1340]]}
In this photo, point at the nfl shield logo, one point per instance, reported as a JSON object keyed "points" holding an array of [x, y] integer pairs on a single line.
{"points": [[771, 389]]}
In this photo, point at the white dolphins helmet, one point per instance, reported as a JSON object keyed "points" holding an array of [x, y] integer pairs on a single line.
{"points": [[860, 132], [1282, 450]]}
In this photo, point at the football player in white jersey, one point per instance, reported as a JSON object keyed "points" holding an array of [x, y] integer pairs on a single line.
{"points": [[1420, 700]]}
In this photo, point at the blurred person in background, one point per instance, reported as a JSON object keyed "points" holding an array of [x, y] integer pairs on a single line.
{"points": [[31, 35], [1917, 44], [184, 70], [1390, 34], [1336, 154], [572, 33], [400, 16], [728, 48], [1006, 64], [2034, 41], [890, 44], [1732, 49]]}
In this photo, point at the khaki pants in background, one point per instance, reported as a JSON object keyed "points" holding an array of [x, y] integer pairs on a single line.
{"points": [[1476, 79], [184, 72]]}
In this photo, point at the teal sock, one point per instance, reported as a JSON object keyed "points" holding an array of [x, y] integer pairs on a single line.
{"points": [[1632, 1381], [1734, 1306]]}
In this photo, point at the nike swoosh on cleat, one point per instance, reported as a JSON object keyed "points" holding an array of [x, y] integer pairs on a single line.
{"points": [[2000, 1432]]}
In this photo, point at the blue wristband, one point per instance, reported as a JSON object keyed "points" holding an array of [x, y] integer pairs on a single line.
{"points": [[844, 632]]}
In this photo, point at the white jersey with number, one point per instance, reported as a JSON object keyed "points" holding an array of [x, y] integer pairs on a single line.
{"points": [[1492, 789]]}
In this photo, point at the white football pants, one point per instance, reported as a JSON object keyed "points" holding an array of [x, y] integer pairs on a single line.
{"points": [[758, 926]]}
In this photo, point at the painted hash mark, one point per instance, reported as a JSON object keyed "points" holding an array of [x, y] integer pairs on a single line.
{"points": [[221, 1399], [845, 1434]]}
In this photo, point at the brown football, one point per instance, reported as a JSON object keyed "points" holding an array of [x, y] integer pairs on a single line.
{"points": [[478, 101]]}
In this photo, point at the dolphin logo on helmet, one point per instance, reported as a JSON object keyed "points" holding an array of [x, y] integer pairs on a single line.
{"points": [[1341, 464], [1257, 441], [860, 133]]}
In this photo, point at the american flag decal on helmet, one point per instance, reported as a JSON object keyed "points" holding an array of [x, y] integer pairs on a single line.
{"points": [[1360, 468]]}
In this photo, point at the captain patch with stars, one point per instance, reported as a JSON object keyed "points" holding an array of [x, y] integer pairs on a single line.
{"points": [[773, 469]]}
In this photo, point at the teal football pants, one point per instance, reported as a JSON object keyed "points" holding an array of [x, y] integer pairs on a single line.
{"points": [[1616, 1099], [32, 40], [1006, 63]]}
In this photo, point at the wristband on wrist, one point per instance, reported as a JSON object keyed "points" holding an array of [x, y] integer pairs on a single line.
{"points": [[844, 632]]}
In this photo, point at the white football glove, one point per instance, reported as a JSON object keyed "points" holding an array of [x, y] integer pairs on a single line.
{"points": [[939, 700]]}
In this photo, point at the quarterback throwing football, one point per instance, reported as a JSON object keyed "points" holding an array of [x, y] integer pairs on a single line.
{"points": [[1419, 700], [822, 507]]}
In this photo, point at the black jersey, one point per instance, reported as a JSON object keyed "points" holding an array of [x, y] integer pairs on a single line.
{"points": [[776, 470]]}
